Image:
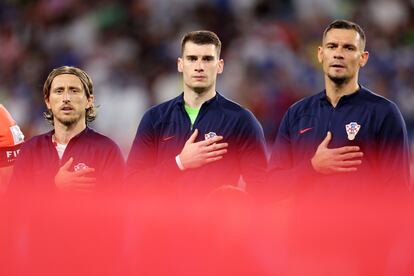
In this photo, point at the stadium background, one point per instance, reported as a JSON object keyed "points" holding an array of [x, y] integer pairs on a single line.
{"points": [[129, 48]]}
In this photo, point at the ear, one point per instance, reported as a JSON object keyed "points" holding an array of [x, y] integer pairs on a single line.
{"points": [[320, 54], [90, 101], [220, 66], [180, 65], [363, 59], [47, 102]]}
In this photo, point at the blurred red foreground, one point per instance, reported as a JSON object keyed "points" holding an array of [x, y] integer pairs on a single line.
{"points": [[226, 233]]}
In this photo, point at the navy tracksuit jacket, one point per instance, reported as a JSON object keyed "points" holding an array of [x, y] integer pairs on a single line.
{"points": [[364, 119], [38, 161], [165, 128]]}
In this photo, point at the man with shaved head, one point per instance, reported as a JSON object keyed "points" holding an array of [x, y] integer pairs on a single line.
{"points": [[345, 138]]}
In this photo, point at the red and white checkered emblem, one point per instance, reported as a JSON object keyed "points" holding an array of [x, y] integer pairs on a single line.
{"points": [[352, 130], [80, 166], [209, 135]]}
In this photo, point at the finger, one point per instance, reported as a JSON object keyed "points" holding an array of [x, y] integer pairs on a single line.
{"points": [[218, 146], [351, 169], [67, 164], [351, 163], [85, 180], [213, 159], [346, 149], [351, 155], [216, 153], [192, 137], [210, 141], [84, 171], [327, 139]]}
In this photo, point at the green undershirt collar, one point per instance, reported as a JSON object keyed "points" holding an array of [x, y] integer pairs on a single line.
{"points": [[192, 113]]}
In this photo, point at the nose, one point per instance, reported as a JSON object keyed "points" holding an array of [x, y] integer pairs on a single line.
{"points": [[199, 67], [338, 53], [66, 96]]}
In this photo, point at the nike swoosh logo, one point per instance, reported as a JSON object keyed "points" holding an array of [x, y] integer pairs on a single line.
{"points": [[168, 138], [305, 130]]}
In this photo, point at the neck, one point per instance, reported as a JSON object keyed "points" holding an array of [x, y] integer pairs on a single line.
{"points": [[64, 133], [195, 100], [335, 91]]}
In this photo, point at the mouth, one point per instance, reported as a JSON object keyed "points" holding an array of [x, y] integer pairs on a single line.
{"points": [[66, 109], [337, 65], [199, 78]]}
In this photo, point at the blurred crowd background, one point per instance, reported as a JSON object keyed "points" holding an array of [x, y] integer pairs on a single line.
{"points": [[130, 48]]}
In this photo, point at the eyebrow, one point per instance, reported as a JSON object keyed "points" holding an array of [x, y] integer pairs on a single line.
{"points": [[336, 44], [195, 56], [350, 45], [70, 87]]}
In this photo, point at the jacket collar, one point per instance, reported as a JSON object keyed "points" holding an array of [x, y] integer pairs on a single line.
{"points": [[180, 99]]}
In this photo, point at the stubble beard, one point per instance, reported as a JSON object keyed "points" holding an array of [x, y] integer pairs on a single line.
{"points": [[339, 81], [201, 89], [69, 121]]}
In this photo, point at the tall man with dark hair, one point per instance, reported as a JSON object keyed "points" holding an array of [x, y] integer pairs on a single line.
{"points": [[199, 140], [345, 137], [71, 157]]}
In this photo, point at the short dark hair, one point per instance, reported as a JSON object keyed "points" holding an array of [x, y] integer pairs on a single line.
{"points": [[201, 38], [87, 87], [348, 25]]}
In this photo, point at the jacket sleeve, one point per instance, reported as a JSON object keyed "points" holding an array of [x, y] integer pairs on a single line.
{"points": [[252, 153], [393, 151], [143, 168], [284, 177], [113, 170]]}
